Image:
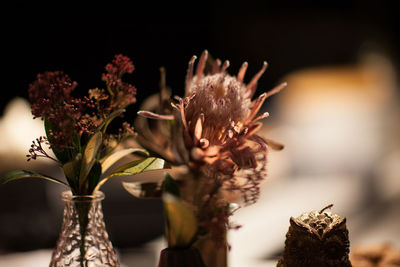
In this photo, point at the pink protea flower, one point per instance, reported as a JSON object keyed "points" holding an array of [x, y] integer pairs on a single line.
{"points": [[215, 128]]}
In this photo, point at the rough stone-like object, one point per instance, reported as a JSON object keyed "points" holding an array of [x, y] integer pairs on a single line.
{"points": [[316, 239]]}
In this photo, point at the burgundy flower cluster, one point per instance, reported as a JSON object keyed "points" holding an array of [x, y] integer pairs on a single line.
{"points": [[67, 117], [121, 93], [50, 95]]}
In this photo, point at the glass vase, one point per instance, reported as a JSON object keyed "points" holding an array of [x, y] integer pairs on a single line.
{"points": [[83, 240]]}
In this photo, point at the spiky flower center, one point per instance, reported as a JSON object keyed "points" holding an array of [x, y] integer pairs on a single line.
{"points": [[222, 101]]}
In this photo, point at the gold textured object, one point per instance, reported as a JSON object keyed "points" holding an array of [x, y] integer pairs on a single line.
{"points": [[316, 239]]}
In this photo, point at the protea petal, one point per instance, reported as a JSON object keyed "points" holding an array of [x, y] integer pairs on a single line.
{"points": [[242, 72]]}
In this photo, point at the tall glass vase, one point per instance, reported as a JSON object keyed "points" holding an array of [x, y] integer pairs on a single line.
{"points": [[83, 240]]}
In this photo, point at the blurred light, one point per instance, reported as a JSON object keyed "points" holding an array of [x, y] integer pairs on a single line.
{"points": [[18, 129], [335, 117]]}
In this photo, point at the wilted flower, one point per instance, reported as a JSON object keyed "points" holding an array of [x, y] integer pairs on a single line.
{"points": [[215, 127], [213, 131]]}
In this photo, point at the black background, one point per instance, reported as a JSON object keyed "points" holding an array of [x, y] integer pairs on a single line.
{"points": [[82, 40]]}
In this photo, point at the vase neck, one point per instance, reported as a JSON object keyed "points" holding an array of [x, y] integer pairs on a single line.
{"points": [[67, 196], [85, 209]]}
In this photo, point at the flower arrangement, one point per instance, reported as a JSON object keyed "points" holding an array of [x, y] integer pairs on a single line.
{"points": [[77, 129], [77, 132], [212, 131]]}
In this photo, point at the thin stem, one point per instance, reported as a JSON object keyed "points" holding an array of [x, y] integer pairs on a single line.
{"points": [[327, 207], [83, 210], [49, 157]]}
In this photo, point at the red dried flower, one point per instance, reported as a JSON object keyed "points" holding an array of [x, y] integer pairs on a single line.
{"points": [[69, 117], [50, 95], [121, 93], [48, 90]]}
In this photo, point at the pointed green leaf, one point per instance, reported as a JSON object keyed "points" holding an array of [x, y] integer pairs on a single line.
{"points": [[136, 167], [108, 120], [89, 156], [109, 160], [72, 170], [180, 220], [170, 185], [21, 174], [139, 166], [143, 190], [94, 176]]}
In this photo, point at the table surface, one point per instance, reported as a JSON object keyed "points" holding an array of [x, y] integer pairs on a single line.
{"points": [[135, 257]]}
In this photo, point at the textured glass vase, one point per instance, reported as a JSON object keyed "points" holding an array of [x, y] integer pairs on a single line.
{"points": [[83, 240]]}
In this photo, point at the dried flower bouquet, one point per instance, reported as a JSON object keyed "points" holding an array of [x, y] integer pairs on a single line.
{"points": [[77, 129], [77, 132]]}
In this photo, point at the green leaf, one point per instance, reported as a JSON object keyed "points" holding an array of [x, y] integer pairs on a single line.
{"points": [[110, 159], [181, 222], [94, 176], [170, 185], [139, 166], [143, 190], [136, 167], [21, 174], [108, 120], [89, 156], [71, 170]]}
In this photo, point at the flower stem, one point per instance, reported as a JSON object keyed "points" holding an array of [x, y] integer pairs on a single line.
{"points": [[83, 209]]}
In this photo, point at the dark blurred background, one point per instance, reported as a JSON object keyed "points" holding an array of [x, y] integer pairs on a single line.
{"points": [[289, 36], [81, 41]]}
